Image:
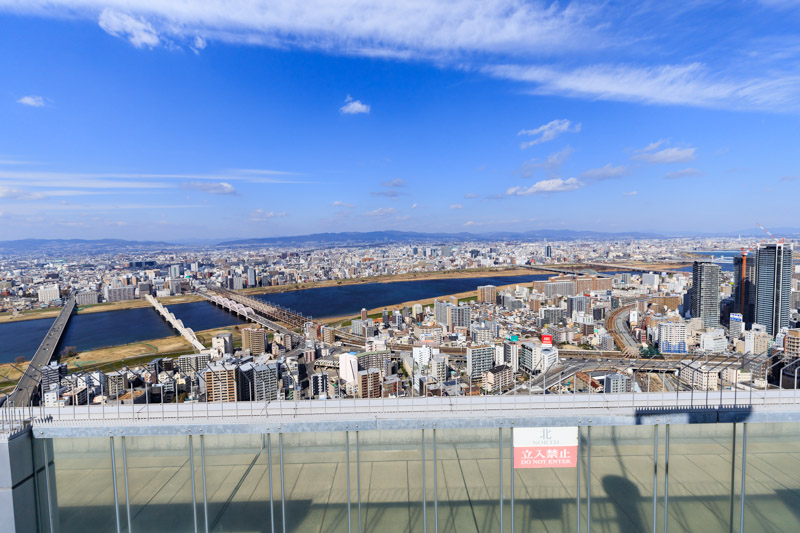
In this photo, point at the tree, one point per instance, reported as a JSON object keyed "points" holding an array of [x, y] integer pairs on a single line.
{"points": [[69, 351]]}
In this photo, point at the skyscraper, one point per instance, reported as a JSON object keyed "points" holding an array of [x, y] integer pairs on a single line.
{"points": [[705, 292], [773, 285], [744, 288]]}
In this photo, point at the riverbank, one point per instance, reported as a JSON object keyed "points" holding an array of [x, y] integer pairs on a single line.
{"points": [[114, 357], [378, 311], [411, 276], [37, 314]]}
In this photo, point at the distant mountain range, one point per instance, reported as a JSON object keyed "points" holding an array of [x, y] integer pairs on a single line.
{"points": [[378, 237], [77, 245]]}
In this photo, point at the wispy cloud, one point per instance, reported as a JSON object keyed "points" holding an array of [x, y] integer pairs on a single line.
{"points": [[470, 196], [354, 107], [551, 166], [604, 173], [631, 193], [548, 132], [385, 194], [138, 31], [381, 212], [32, 101], [414, 205], [397, 182], [211, 187], [652, 154], [260, 215], [339, 203], [547, 186], [685, 173], [692, 84], [456, 206]]}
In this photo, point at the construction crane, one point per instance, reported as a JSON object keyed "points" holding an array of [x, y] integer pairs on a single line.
{"points": [[765, 230]]}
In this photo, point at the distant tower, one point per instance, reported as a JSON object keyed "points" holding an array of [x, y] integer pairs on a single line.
{"points": [[705, 292], [773, 285], [364, 314]]}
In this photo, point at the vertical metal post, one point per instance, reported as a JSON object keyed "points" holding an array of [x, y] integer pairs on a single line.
{"points": [[203, 470], [500, 457], [435, 487], [511, 472], [127, 491], [358, 481], [283, 494], [666, 478], [733, 478], [194, 490], [114, 477], [588, 479], [424, 487], [47, 485], [269, 471], [578, 491], [744, 465], [347, 452], [655, 476]]}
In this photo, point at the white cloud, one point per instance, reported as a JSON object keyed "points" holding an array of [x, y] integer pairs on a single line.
{"points": [[685, 173], [651, 154], [17, 194], [547, 186], [354, 107], [631, 193], [604, 173], [259, 215], [414, 205], [549, 131], [690, 84], [199, 44], [397, 182], [339, 203], [470, 196], [138, 31], [32, 101], [370, 28], [381, 212], [211, 187], [456, 206]]}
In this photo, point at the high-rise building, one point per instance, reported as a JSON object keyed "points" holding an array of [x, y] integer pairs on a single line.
{"points": [[705, 292], [255, 340], [458, 316], [744, 288], [49, 293], [736, 327], [223, 342], [773, 285], [363, 314], [487, 294], [265, 382], [672, 337], [220, 382], [369, 383], [479, 360], [319, 384]]}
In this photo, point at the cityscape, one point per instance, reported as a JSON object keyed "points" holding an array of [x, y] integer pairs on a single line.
{"points": [[356, 266]]}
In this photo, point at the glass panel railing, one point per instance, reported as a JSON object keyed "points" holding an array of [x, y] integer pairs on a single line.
{"points": [[772, 486], [84, 485], [159, 481], [701, 457]]}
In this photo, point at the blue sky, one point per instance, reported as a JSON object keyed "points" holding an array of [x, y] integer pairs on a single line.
{"points": [[200, 120]]}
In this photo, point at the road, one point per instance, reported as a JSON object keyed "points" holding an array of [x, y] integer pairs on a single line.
{"points": [[29, 382]]}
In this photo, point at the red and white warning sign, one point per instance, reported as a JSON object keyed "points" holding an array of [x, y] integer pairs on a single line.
{"points": [[546, 447]]}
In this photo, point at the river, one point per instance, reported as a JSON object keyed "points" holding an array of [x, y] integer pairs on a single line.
{"points": [[98, 330]]}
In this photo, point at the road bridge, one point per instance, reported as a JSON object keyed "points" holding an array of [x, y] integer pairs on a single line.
{"points": [[28, 384]]}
